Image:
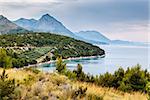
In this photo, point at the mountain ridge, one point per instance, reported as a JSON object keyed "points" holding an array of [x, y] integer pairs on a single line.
{"points": [[93, 37], [6, 26], [46, 23]]}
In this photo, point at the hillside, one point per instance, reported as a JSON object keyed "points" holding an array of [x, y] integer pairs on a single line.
{"points": [[32, 46], [7, 26], [35, 85]]}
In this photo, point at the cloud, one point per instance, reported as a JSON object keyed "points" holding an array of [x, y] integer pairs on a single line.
{"points": [[27, 1], [128, 31], [17, 8]]}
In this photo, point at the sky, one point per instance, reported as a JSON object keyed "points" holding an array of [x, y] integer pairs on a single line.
{"points": [[116, 19]]}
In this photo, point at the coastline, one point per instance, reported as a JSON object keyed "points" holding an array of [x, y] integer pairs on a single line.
{"points": [[71, 58]]}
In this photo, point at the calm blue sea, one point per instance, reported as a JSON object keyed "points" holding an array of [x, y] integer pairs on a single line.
{"points": [[116, 56]]}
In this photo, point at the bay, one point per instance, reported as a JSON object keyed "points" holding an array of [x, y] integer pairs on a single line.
{"points": [[116, 56]]}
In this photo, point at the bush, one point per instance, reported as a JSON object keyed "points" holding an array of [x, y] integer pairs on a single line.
{"points": [[5, 60], [60, 65], [106, 80], [7, 87], [133, 79], [79, 93], [71, 75], [148, 90], [79, 73]]}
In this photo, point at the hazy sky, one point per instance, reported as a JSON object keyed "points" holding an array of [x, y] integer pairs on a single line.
{"points": [[116, 19]]}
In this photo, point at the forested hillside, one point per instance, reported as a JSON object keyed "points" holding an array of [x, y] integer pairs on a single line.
{"points": [[32, 46]]}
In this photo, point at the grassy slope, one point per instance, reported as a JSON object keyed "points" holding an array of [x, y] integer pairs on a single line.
{"points": [[111, 93], [45, 83]]}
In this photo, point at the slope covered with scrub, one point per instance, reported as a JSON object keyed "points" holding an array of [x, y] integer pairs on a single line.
{"points": [[31, 84]]}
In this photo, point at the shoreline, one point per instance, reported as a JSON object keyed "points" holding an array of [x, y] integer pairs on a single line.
{"points": [[71, 58]]}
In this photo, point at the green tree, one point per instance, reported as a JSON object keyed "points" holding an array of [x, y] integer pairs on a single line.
{"points": [[134, 79], [118, 76], [5, 60], [106, 80], [7, 87], [60, 65], [79, 73]]}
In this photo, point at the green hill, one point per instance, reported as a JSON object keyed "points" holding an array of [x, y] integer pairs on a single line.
{"points": [[35, 45]]}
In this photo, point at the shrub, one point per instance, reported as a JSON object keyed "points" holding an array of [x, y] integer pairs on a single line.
{"points": [[79, 93], [5, 60], [71, 75], [7, 87], [106, 80], [134, 80], [94, 97], [79, 73], [60, 65], [148, 90], [118, 76]]}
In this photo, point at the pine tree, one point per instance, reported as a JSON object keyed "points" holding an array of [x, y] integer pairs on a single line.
{"points": [[60, 65]]}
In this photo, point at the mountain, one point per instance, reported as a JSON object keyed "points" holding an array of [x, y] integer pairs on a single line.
{"points": [[127, 43], [26, 23], [92, 37], [46, 23], [49, 24], [7, 26]]}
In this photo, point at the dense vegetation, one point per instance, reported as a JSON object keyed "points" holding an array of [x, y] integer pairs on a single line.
{"points": [[18, 50], [7, 87], [148, 90], [8, 59], [60, 45], [132, 79]]}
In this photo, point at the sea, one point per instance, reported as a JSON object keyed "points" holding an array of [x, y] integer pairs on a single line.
{"points": [[116, 56]]}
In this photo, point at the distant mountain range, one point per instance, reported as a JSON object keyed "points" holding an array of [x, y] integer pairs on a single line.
{"points": [[93, 37], [127, 43], [7, 26], [48, 23]]}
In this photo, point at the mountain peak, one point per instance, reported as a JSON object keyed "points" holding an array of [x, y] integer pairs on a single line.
{"points": [[46, 23], [9, 27], [46, 16], [22, 19], [2, 17]]}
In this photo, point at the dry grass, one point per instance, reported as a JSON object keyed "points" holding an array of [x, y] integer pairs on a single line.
{"points": [[18, 74], [52, 85], [110, 93]]}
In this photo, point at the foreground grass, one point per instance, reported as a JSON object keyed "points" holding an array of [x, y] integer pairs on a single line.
{"points": [[111, 93], [34, 85]]}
